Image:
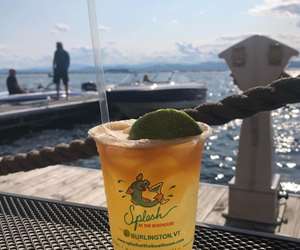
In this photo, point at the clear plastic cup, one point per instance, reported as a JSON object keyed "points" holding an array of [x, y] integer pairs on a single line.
{"points": [[151, 187]]}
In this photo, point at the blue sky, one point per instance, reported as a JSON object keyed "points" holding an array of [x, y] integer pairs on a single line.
{"points": [[135, 31]]}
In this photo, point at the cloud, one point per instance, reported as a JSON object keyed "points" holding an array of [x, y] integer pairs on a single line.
{"points": [[278, 8], [3, 50], [154, 19], [111, 42], [182, 52], [82, 55], [292, 9], [233, 38], [289, 39], [103, 28], [60, 27], [292, 40], [10, 60], [110, 55], [178, 52], [192, 53], [187, 48]]}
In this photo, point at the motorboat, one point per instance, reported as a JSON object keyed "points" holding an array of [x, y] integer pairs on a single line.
{"points": [[136, 97], [133, 101]]}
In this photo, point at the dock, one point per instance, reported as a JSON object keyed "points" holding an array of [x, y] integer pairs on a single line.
{"points": [[46, 113], [83, 185]]}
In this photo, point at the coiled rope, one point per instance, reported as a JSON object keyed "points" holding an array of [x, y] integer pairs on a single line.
{"points": [[273, 96]]}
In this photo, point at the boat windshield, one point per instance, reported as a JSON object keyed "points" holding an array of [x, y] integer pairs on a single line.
{"points": [[147, 78], [137, 79]]}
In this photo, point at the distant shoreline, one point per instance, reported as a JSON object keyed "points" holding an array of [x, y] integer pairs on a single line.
{"points": [[128, 69], [110, 72]]}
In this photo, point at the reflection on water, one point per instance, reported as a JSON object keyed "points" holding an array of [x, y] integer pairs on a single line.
{"points": [[221, 148]]}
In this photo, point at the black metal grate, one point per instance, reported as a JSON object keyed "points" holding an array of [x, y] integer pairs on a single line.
{"points": [[27, 223]]}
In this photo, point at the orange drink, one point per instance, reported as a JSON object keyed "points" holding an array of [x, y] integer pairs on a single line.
{"points": [[151, 187]]}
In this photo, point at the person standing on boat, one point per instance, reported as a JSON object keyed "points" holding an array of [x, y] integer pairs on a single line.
{"points": [[12, 83], [61, 63]]}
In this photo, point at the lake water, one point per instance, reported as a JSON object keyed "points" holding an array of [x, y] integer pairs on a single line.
{"points": [[221, 148]]}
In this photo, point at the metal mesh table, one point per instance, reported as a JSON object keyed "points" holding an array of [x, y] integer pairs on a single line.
{"points": [[30, 223]]}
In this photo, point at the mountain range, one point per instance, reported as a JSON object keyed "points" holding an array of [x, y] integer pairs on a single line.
{"points": [[145, 67]]}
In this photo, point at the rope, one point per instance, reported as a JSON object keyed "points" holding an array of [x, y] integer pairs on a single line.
{"points": [[48, 156], [275, 95]]}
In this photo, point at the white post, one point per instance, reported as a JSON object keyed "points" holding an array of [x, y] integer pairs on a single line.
{"points": [[253, 192]]}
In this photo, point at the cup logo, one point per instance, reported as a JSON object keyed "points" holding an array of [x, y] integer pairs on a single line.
{"points": [[143, 193], [137, 189]]}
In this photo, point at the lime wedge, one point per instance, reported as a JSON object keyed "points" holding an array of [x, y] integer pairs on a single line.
{"points": [[164, 124]]}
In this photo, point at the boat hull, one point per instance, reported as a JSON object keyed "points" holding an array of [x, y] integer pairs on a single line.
{"points": [[131, 104]]}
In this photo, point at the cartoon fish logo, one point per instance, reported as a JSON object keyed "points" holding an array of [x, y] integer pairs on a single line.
{"points": [[140, 186]]}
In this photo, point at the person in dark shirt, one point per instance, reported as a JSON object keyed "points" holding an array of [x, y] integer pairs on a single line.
{"points": [[146, 78], [12, 83], [61, 63]]}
